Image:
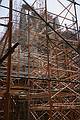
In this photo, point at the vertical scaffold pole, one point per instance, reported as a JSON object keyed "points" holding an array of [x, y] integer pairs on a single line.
{"points": [[28, 66], [7, 94], [48, 66], [76, 19]]}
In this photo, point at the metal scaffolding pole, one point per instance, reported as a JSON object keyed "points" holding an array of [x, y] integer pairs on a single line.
{"points": [[48, 66], [7, 94], [76, 18], [28, 66]]}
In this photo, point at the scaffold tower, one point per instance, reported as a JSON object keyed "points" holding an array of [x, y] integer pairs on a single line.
{"points": [[39, 61]]}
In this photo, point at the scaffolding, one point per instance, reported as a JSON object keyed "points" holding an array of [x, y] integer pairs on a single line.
{"points": [[39, 62]]}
